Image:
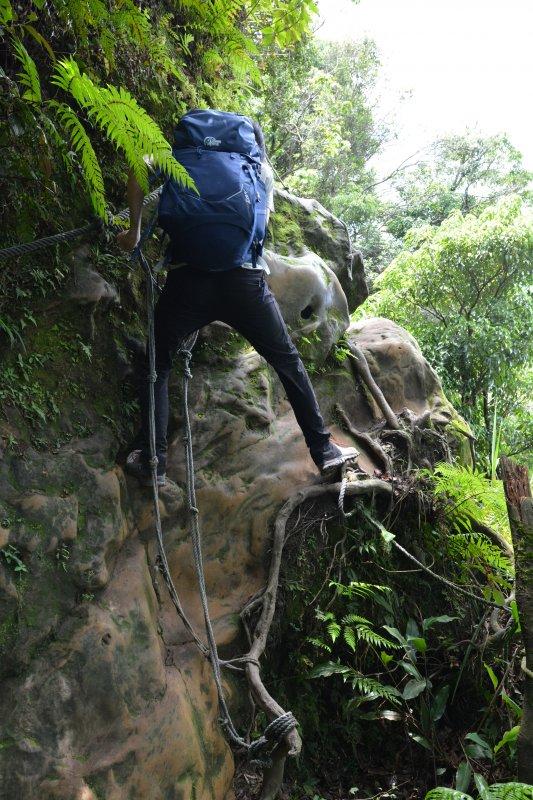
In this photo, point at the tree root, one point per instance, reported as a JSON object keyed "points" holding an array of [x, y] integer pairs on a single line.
{"points": [[495, 537], [292, 745], [367, 441], [358, 359]]}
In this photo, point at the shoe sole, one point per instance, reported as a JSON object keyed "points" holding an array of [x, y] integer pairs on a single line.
{"points": [[332, 466]]}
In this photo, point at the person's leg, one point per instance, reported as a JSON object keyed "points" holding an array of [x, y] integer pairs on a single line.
{"points": [[185, 305], [247, 304]]}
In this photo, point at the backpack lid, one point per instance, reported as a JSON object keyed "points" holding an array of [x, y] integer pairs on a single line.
{"points": [[217, 130]]}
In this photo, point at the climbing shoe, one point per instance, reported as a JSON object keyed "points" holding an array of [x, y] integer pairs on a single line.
{"points": [[141, 471], [332, 457]]}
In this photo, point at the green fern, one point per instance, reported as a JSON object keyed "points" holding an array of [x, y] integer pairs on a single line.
{"points": [[473, 495], [510, 791], [363, 631], [479, 552], [318, 643], [498, 791], [366, 633], [370, 688], [29, 77], [373, 688], [81, 144], [124, 122]]}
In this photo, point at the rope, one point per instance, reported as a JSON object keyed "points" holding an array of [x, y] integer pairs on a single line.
{"points": [[261, 749], [164, 568], [40, 244], [342, 491]]}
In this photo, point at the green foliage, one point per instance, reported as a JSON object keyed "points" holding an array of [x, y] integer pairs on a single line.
{"points": [[13, 560], [462, 290], [81, 144], [461, 173], [498, 791], [473, 496], [320, 130], [173, 54], [29, 76]]}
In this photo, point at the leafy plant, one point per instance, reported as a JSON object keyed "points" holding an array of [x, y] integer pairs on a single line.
{"points": [[462, 289], [471, 495], [13, 559], [498, 791]]}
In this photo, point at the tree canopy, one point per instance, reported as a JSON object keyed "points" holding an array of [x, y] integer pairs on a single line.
{"points": [[461, 289]]}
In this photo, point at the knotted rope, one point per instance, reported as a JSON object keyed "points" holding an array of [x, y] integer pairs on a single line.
{"points": [[261, 749]]}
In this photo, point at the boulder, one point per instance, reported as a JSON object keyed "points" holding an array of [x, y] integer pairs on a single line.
{"points": [[311, 299], [299, 225]]}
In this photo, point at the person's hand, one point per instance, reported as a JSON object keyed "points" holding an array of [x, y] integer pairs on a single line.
{"points": [[127, 240]]}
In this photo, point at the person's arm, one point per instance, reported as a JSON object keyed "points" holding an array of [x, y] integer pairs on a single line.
{"points": [[127, 240], [268, 179]]}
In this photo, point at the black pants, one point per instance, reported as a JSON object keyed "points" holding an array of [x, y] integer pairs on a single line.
{"points": [[241, 298]]}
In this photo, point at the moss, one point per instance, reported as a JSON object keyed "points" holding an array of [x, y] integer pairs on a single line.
{"points": [[8, 631], [7, 742], [285, 229]]}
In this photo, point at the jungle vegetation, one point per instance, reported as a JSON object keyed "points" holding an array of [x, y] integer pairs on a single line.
{"points": [[89, 87]]}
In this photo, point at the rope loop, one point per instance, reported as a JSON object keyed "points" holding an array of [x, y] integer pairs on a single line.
{"points": [[280, 727]]}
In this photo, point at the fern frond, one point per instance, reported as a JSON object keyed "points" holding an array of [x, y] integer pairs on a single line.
{"points": [[311, 639], [124, 122], [442, 793], [478, 551], [510, 791], [133, 22], [67, 76], [373, 688], [29, 77], [473, 495], [349, 637], [81, 144], [333, 628], [366, 633], [351, 619]]}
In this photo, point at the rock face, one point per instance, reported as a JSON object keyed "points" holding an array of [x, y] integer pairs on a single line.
{"points": [[311, 299], [404, 376], [103, 693], [301, 225]]}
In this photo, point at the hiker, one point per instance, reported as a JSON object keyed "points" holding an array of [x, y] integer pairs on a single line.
{"points": [[214, 275]]}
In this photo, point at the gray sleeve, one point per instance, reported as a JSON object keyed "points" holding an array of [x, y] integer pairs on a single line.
{"points": [[268, 179]]}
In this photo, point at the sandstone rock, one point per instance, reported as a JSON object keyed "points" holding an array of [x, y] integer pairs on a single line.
{"points": [[104, 695], [311, 299], [299, 225], [88, 287]]}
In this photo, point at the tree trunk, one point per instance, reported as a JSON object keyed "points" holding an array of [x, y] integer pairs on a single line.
{"points": [[520, 509]]}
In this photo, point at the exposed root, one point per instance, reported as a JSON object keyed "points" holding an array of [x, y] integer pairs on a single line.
{"points": [[358, 358], [367, 441], [273, 775], [495, 537]]}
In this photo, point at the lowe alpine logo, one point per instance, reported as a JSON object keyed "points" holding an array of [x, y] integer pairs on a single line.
{"points": [[210, 141]]}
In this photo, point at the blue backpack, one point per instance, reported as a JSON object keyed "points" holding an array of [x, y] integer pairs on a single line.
{"points": [[223, 225]]}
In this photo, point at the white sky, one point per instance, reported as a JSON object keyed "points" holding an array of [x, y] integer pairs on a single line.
{"points": [[465, 63]]}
